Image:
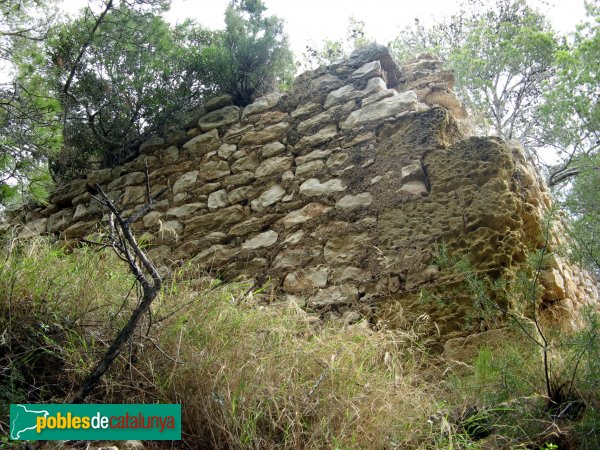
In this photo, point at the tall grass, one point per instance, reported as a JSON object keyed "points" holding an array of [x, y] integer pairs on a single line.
{"points": [[251, 371]]}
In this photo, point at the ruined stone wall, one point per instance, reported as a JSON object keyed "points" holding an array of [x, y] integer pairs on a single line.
{"points": [[337, 192]]}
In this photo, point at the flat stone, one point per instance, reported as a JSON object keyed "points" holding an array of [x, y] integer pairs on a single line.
{"points": [[295, 257], [262, 240], [99, 176], [33, 228], [226, 150], [344, 274], [309, 168], [377, 111], [213, 170], [129, 179], [185, 182], [218, 102], [247, 163], [305, 280], [325, 82], [235, 133], [266, 135], [219, 118], [323, 135], [261, 104], [239, 179], [207, 188], [337, 159], [413, 172], [417, 188], [81, 212], [78, 229], [216, 256], [239, 194], [345, 249], [305, 110], [60, 220], [273, 166], [378, 96], [252, 225], [218, 199], [348, 92], [313, 187], [554, 284], [169, 155], [315, 154], [315, 122], [269, 197], [185, 210], [217, 221], [272, 149], [134, 195], [294, 238], [309, 212], [202, 144], [367, 70], [152, 145], [151, 218], [355, 201], [335, 295]]}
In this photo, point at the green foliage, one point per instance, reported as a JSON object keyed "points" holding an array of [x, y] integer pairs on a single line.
{"points": [[136, 76], [251, 56], [29, 131]]}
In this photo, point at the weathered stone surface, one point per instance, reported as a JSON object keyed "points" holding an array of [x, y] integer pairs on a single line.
{"points": [[315, 122], [347, 274], [348, 92], [305, 280], [252, 225], [152, 145], [239, 194], [247, 163], [378, 96], [33, 228], [239, 154], [355, 201], [272, 166], [416, 188], [336, 160], [226, 150], [375, 112], [366, 71], [269, 197], [208, 188], [554, 284], [346, 249], [185, 182], [152, 218], [309, 212], [266, 135], [313, 187], [305, 110], [78, 229], [315, 154], [235, 133], [169, 155], [323, 135], [239, 179], [213, 170], [325, 83], [202, 144], [261, 104], [130, 179], [309, 168], [219, 118], [184, 211], [134, 195], [266, 239], [413, 172], [99, 176], [217, 221], [218, 102], [295, 257], [335, 295], [60, 220], [272, 149], [294, 238], [216, 256], [218, 199]]}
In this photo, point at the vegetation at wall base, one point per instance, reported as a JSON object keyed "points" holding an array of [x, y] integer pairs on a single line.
{"points": [[255, 372]]}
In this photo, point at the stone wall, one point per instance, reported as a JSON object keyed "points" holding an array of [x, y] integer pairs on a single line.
{"points": [[337, 192]]}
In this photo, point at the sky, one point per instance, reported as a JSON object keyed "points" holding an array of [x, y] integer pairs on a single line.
{"points": [[309, 22]]}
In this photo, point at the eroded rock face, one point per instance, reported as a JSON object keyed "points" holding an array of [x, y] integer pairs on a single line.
{"points": [[338, 191]]}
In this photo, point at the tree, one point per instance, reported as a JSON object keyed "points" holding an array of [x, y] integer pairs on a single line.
{"points": [[502, 57], [572, 112], [122, 76], [251, 56], [28, 112]]}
